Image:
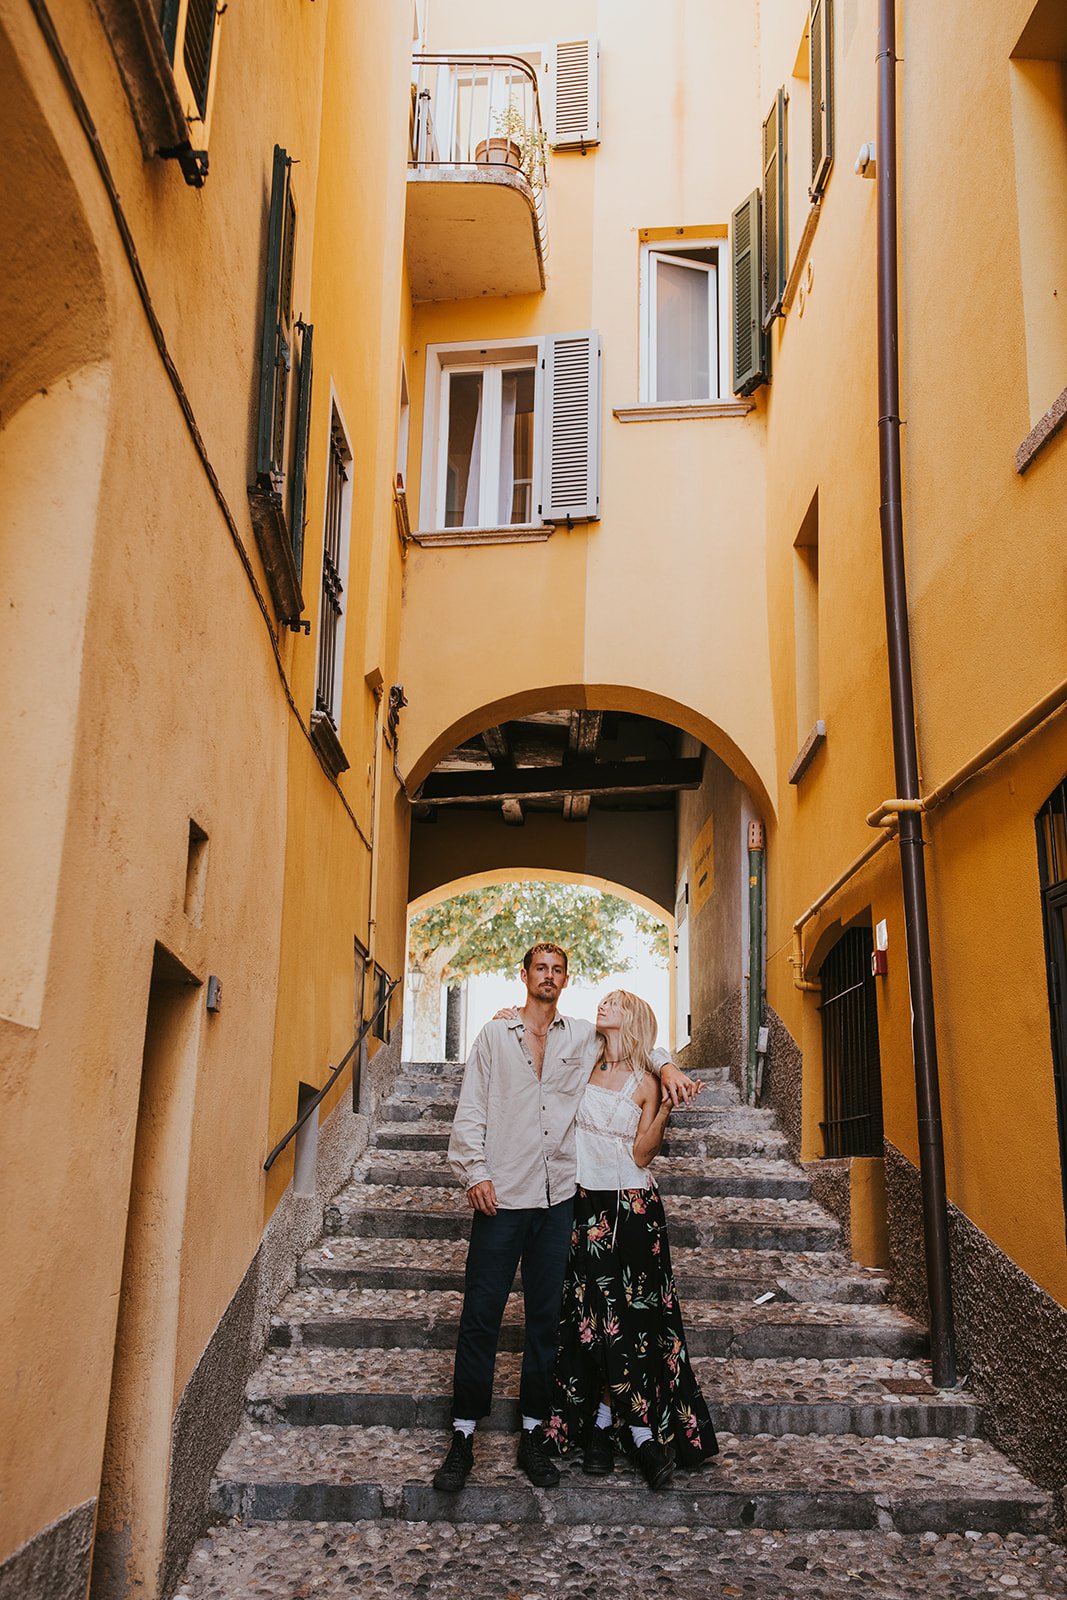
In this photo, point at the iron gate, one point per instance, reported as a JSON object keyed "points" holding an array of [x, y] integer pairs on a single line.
{"points": [[852, 1073]]}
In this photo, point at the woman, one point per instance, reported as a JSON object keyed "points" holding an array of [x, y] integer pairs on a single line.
{"points": [[622, 1356]]}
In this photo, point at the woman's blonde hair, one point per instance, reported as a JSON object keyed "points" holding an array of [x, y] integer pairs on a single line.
{"points": [[637, 1035]]}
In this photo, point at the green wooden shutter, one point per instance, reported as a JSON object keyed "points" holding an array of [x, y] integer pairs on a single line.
{"points": [[774, 210], [168, 22], [300, 462], [275, 357], [821, 60], [749, 344]]}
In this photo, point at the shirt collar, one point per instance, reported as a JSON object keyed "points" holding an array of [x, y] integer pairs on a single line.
{"points": [[558, 1021]]}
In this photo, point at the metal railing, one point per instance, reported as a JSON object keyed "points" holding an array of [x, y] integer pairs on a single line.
{"points": [[313, 1105], [480, 110]]}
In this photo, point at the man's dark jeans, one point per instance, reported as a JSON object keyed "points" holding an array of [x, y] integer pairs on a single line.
{"points": [[540, 1238]]}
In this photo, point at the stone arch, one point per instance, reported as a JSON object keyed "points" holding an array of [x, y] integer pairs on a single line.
{"points": [[597, 697], [495, 875]]}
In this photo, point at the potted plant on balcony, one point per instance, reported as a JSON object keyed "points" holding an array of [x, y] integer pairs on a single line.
{"points": [[517, 145]]}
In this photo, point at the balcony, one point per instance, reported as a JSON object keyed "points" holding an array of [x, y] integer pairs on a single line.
{"points": [[476, 175]]}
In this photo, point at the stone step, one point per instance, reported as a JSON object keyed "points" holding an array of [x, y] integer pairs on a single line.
{"points": [[315, 1386], [454, 1070], [419, 1319], [393, 1212], [420, 1094], [480, 1561], [708, 1142], [349, 1262], [354, 1474], [692, 1175]]}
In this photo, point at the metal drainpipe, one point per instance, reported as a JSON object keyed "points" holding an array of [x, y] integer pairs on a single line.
{"points": [[755, 955], [913, 873]]}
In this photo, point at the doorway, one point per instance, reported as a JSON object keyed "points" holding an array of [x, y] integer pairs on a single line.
{"points": [[132, 1509]]}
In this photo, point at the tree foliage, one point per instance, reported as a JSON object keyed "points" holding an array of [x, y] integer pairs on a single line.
{"points": [[489, 930]]}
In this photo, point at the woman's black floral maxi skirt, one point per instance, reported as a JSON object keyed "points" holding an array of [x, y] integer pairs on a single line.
{"points": [[621, 1327]]}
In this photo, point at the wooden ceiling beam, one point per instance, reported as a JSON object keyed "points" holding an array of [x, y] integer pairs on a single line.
{"points": [[580, 776]]}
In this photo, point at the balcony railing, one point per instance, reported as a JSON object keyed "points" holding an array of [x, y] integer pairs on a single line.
{"points": [[481, 112]]}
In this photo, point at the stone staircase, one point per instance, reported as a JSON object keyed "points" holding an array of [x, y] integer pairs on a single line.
{"points": [[819, 1388]]}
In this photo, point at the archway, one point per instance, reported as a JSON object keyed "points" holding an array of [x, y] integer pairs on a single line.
{"points": [[466, 938], [612, 785]]}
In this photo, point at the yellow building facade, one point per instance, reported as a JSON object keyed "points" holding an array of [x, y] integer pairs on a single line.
{"points": [[414, 410]]}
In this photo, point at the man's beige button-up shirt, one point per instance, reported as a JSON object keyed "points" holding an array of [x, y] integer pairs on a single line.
{"points": [[515, 1129]]}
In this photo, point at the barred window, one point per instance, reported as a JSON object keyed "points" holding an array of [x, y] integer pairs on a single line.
{"points": [[334, 563]]}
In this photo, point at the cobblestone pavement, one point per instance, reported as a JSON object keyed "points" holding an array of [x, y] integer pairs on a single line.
{"points": [[842, 1470], [379, 1561]]}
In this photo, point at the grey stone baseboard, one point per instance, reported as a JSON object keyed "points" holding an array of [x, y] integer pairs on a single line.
{"points": [[212, 1403], [54, 1564], [1011, 1337]]}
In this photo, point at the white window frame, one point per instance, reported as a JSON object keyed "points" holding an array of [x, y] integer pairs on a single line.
{"points": [[676, 252], [472, 356], [335, 413]]}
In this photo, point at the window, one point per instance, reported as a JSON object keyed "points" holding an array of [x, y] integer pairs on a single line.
{"points": [[1052, 868], [682, 310], [1039, 125], [487, 436], [278, 498], [852, 1073], [511, 436], [326, 718], [806, 619], [189, 30]]}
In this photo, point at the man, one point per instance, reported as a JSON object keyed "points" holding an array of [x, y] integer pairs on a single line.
{"points": [[512, 1148]]}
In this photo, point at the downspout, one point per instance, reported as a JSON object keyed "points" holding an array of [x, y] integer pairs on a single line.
{"points": [[755, 959], [905, 756]]}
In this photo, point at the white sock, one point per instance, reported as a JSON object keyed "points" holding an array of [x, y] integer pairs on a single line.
{"points": [[463, 1425], [603, 1416], [640, 1435], [530, 1423]]}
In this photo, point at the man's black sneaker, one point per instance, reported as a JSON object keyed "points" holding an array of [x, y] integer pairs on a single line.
{"points": [[656, 1464], [599, 1456], [454, 1470], [535, 1461]]}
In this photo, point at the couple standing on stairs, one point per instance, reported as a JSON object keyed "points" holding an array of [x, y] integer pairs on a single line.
{"points": [[548, 1106]]}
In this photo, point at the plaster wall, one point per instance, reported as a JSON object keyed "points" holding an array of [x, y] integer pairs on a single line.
{"points": [[985, 573], [603, 611]]}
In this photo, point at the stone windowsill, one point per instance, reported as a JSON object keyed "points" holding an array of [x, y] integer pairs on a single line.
{"points": [[324, 737], [806, 754], [682, 411], [1042, 432], [521, 533]]}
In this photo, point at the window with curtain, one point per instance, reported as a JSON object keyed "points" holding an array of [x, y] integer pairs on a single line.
{"points": [[487, 476], [680, 306]]}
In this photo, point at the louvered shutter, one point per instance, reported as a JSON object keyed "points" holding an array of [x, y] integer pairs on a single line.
{"points": [[821, 60], [197, 48], [575, 94], [749, 344], [300, 460], [274, 353], [774, 209], [570, 480]]}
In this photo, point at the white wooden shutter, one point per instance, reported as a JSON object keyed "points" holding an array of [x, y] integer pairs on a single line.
{"points": [[575, 68], [570, 478]]}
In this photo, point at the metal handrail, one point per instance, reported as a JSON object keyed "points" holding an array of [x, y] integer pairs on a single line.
{"points": [[313, 1105], [451, 139]]}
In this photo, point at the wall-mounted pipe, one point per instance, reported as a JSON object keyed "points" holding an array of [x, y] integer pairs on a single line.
{"points": [[905, 755]]}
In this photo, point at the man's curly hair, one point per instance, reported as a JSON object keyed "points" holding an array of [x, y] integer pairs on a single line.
{"points": [[553, 949]]}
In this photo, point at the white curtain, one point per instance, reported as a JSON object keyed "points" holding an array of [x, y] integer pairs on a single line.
{"points": [[508, 399], [474, 471]]}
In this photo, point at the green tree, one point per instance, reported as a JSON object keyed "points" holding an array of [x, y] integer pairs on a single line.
{"points": [[489, 930]]}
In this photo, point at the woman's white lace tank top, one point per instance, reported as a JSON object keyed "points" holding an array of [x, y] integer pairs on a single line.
{"points": [[604, 1137]]}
